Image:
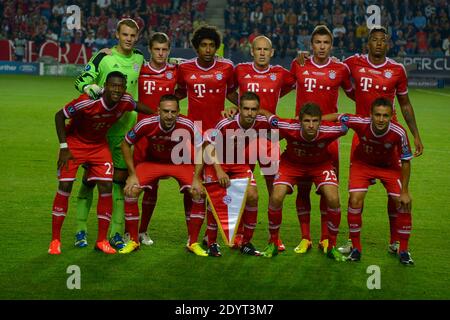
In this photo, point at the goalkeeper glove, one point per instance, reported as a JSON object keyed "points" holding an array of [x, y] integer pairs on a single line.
{"points": [[93, 90]]}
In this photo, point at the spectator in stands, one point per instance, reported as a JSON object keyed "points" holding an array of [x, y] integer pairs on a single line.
{"points": [[90, 39], [245, 46], [19, 47], [419, 21], [256, 16], [446, 46]]}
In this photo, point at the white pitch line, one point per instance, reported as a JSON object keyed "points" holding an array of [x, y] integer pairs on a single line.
{"points": [[433, 92]]}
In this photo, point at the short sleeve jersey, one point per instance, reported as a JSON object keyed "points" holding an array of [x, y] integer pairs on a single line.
{"points": [[237, 141], [301, 151], [91, 119], [320, 84], [153, 84], [156, 143], [207, 89], [385, 150], [269, 84], [374, 81]]}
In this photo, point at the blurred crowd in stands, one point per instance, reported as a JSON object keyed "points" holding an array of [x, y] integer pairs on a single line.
{"points": [[416, 26], [42, 20]]}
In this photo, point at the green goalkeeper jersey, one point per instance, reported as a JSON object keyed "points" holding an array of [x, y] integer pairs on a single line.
{"points": [[100, 66]]}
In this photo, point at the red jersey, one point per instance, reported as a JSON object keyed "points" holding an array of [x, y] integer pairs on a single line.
{"points": [[320, 84], [238, 145], [378, 150], [156, 144], [303, 152], [153, 84], [269, 84], [206, 88], [91, 119], [374, 81]]}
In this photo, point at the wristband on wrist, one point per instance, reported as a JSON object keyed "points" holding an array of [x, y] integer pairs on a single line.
{"points": [[63, 145]]}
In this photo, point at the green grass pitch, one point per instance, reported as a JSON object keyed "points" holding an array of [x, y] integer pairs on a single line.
{"points": [[28, 154]]}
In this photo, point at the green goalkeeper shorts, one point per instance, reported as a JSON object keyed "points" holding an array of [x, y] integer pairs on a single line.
{"points": [[116, 152]]}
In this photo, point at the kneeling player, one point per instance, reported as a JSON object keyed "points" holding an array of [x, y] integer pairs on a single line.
{"points": [[383, 153], [83, 141], [161, 134], [306, 158], [244, 131]]}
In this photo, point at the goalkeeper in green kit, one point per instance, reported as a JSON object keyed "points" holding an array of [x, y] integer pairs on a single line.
{"points": [[128, 60]]}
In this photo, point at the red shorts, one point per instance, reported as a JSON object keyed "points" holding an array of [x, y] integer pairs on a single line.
{"points": [[362, 176], [291, 174], [333, 149], [234, 171], [148, 173], [268, 156], [97, 158]]}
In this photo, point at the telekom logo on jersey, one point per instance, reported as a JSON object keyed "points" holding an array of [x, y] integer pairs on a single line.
{"points": [[310, 83], [200, 89], [366, 83], [231, 148], [149, 86]]}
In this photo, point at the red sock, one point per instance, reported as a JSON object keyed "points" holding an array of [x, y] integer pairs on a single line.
{"points": [[323, 218], [392, 212], [249, 218], [104, 209], [354, 218], [132, 218], [59, 210], [211, 229], [196, 220], [187, 201], [334, 219], [303, 206], [275, 217], [148, 206], [404, 225]]}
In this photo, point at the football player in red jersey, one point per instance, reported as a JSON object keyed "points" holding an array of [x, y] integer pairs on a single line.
{"points": [[245, 126], [383, 153], [83, 141], [207, 80], [270, 83], [161, 134], [376, 75], [156, 78], [319, 81], [306, 157]]}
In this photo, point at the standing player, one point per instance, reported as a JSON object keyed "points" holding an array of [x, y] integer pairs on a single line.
{"points": [[161, 134], [270, 83], [318, 81], [206, 80], [157, 78], [375, 76], [246, 124], [383, 144], [83, 141], [126, 59], [306, 157]]}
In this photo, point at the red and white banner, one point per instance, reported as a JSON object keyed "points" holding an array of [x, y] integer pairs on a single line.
{"points": [[227, 205], [68, 53]]}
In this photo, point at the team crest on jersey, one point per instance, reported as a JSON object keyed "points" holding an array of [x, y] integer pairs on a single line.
{"points": [[387, 145], [273, 77], [219, 76], [169, 75], [274, 122], [136, 67], [227, 199], [388, 74], [88, 67], [131, 135], [332, 74]]}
